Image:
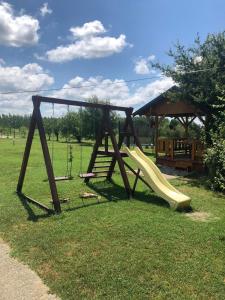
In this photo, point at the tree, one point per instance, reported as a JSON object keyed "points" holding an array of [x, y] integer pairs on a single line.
{"points": [[199, 72], [69, 126], [48, 125], [91, 119]]}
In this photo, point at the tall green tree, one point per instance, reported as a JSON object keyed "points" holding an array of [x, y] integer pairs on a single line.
{"points": [[199, 71]]}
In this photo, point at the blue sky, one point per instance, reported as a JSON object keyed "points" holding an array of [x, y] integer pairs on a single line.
{"points": [[95, 43]]}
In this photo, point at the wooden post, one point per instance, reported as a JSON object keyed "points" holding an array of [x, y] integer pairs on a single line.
{"points": [[48, 163], [117, 154], [120, 142], [26, 153], [172, 149], [186, 127], [193, 150], [106, 142], [156, 135]]}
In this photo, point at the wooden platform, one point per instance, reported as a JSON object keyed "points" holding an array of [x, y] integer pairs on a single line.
{"points": [[181, 163]]}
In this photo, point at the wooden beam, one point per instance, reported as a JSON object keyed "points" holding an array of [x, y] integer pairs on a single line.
{"points": [[47, 159], [192, 119], [200, 118], [40, 99], [118, 157], [26, 153], [35, 202], [120, 142], [137, 175]]}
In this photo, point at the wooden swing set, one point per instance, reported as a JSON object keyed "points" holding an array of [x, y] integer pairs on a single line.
{"points": [[103, 160]]}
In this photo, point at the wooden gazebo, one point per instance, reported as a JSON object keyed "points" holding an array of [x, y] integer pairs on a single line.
{"points": [[185, 153]]}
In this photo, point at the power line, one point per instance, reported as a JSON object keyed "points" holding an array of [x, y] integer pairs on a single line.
{"points": [[75, 87], [112, 83]]}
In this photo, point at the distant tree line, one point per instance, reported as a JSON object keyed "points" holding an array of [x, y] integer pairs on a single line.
{"points": [[85, 123]]}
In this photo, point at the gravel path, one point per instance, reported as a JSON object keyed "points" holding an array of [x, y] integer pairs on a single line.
{"points": [[17, 281]]}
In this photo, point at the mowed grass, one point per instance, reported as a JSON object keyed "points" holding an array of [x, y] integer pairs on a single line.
{"points": [[111, 248]]}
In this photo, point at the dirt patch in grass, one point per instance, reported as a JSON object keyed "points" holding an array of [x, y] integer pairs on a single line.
{"points": [[201, 216]]}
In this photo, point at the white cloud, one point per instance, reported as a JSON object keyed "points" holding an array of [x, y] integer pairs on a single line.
{"points": [[151, 57], [142, 65], [150, 91], [88, 29], [45, 10], [18, 30], [28, 77], [112, 90], [33, 77], [117, 91], [88, 44], [197, 59]]}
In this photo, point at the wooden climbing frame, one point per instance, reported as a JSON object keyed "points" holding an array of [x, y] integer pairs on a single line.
{"points": [[105, 132]]}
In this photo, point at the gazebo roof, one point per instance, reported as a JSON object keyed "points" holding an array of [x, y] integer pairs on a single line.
{"points": [[163, 106]]}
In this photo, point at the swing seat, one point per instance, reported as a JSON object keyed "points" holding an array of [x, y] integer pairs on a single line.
{"points": [[60, 178], [87, 175]]}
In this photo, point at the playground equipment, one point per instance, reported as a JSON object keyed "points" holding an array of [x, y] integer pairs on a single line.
{"points": [[102, 161], [157, 181]]}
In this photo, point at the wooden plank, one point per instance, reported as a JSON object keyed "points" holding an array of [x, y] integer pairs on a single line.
{"points": [[35, 202], [135, 181], [61, 178], [87, 175], [135, 173]]}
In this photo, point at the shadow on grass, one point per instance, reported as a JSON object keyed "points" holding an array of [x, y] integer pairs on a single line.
{"points": [[115, 192], [111, 191]]}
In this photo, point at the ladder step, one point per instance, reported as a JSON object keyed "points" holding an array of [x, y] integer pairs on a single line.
{"points": [[111, 153], [102, 161], [103, 171], [100, 167]]}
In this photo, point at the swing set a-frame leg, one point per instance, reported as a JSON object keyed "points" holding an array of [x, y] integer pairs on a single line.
{"points": [[36, 119]]}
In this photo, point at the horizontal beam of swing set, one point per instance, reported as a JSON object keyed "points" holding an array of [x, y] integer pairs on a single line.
{"points": [[43, 99]]}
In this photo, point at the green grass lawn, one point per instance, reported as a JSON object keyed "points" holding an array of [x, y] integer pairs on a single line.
{"points": [[112, 248]]}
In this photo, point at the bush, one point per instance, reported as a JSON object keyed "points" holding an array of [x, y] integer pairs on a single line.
{"points": [[215, 162]]}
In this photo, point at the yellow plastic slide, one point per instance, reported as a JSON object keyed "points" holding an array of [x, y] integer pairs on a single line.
{"points": [[157, 181]]}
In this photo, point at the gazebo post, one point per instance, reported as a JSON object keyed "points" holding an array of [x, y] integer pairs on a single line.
{"points": [[156, 135], [186, 127]]}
